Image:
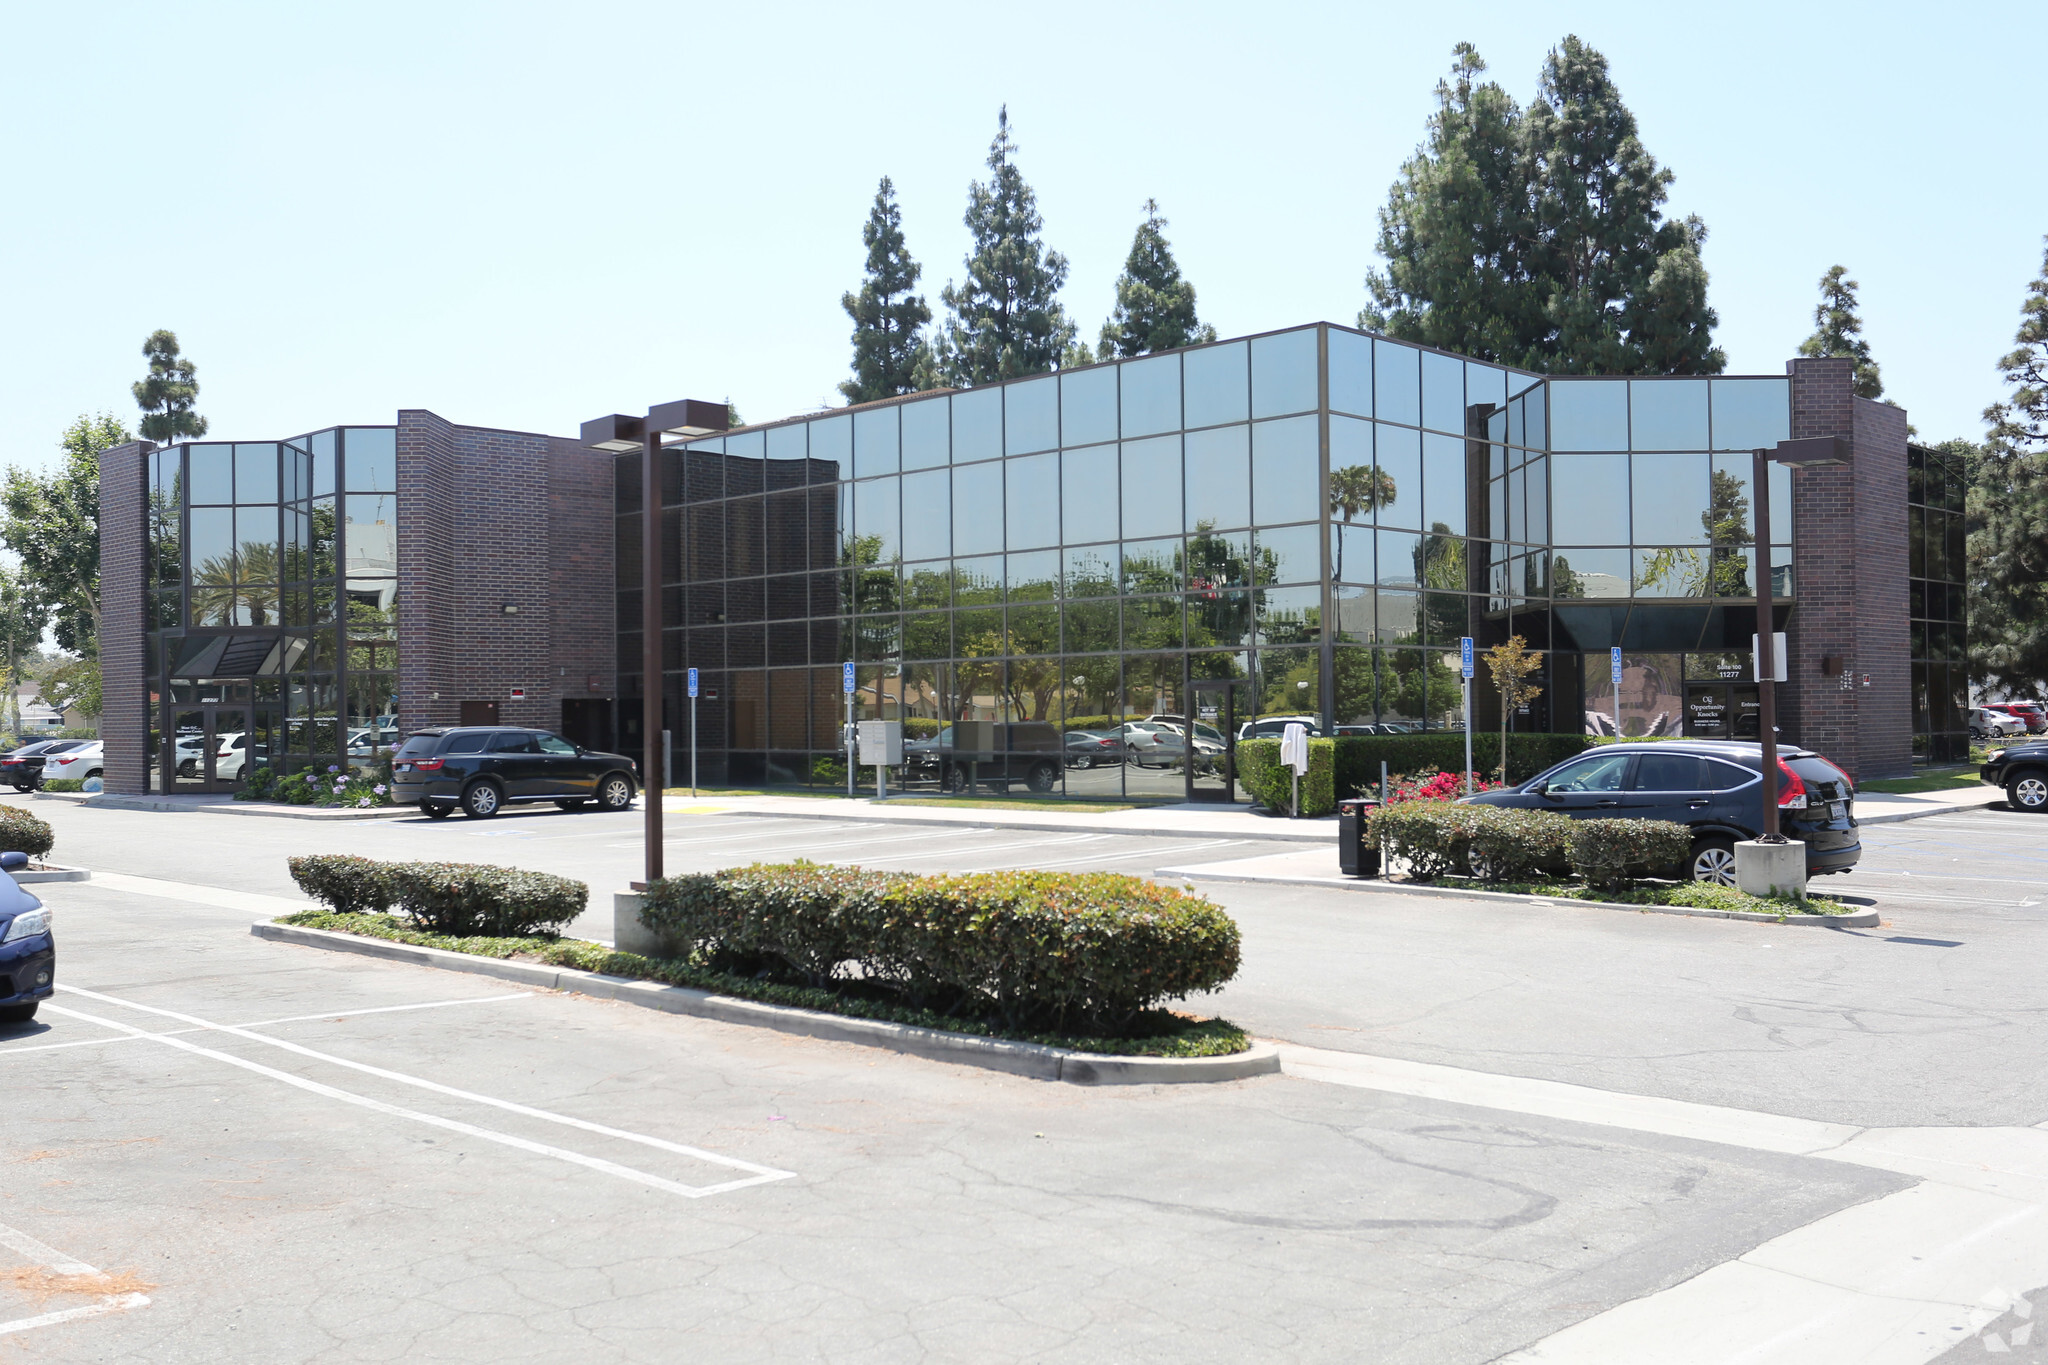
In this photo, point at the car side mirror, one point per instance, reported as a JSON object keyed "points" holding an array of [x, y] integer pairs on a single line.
{"points": [[1543, 789], [13, 862]]}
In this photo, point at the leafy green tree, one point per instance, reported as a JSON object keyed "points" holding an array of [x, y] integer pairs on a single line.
{"points": [[1355, 490], [1155, 304], [72, 685], [1512, 663], [888, 316], [23, 618], [167, 393], [51, 522], [1006, 315], [1537, 238], [2007, 516], [1838, 330]]}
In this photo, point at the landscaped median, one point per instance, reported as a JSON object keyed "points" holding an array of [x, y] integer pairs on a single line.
{"points": [[1056, 966]]}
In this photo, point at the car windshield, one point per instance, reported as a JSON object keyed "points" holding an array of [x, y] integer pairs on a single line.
{"points": [[555, 744], [1600, 773], [419, 746]]}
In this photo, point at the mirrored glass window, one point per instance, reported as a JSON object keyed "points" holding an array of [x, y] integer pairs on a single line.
{"points": [[1290, 616], [1216, 385], [1352, 483], [1486, 386], [1088, 494], [1588, 414], [1398, 453], [1443, 482], [1589, 573], [1152, 623], [1536, 405], [746, 463], [1093, 627], [977, 425], [323, 447], [256, 473], [928, 514], [1536, 484], [978, 581], [1750, 413], [1032, 577], [1350, 373], [1090, 572], [927, 586], [978, 509], [1286, 474], [1668, 414], [1351, 557], [1219, 478], [1088, 406], [1671, 499], [371, 537], [1284, 374], [1031, 415], [212, 470], [1593, 508], [1673, 571], [790, 442], [875, 520], [1443, 392], [1150, 395], [875, 449], [927, 434], [372, 456], [832, 443], [212, 547], [1151, 486], [1152, 566], [1031, 501], [1397, 383], [1288, 554], [1781, 505]]}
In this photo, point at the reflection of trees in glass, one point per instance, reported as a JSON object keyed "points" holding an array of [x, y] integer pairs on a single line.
{"points": [[1564, 582], [1284, 671], [1679, 570], [1428, 687], [870, 585], [1440, 560], [1219, 579], [238, 588], [1727, 524], [1355, 490]]}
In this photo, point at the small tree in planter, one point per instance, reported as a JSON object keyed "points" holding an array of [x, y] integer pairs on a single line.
{"points": [[1511, 664]]}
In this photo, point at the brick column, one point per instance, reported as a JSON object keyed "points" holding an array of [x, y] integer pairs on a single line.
{"points": [[126, 694]]}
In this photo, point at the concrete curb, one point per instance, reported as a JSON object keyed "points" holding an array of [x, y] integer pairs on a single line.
{"points": [[1896, 816], [983, 816], [51, 874], [1861, 919], [996, 1054], [276, 810]]}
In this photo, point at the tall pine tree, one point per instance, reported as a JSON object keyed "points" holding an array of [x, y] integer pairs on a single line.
{"points": [[167, 393], [1007, 320], [887, 316], [1537, 237], [1838, 330], [1155, 304], [2007, 516]]}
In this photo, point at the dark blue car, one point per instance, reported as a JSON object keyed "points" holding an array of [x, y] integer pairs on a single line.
{"points": [[28, 954], [1713, 786]]}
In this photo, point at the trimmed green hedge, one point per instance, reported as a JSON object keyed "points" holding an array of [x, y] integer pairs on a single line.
{"points": [[1271, 782], [21, 832], [1614, 853], [445, 898], [1026, 948], [1494, 843], [1359, 756]]}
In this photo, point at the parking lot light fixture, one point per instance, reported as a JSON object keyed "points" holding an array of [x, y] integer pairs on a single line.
{"points": [[619, 433]]}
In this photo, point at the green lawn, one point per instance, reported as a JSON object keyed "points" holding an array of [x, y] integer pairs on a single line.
{"points": [[1935, 780]]}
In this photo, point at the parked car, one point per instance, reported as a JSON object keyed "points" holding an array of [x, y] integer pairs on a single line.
{"points": [[1027, 751], [2023, 771], [231, 755], [1169, 749], [1093, 748], [483, 768], [1272, 727], [2029, 713], [366, 741], [23, 768], [87, 760], [1713, 786], [1986, 723], [1203, 730], [28, 952]]}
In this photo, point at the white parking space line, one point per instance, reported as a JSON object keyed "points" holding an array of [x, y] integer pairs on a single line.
{"points": [[1134, 853], [953, 853], [759, 1174], [264, 1023], [757, 835], [68, 1266], [217, 896]]}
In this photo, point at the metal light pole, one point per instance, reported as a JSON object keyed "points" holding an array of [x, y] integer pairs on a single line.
{"points": [[618, 433]]}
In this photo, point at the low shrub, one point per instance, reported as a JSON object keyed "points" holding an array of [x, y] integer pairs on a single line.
{"points": [[1494, 843], [445, 898], [1271, 782], [1429, 786], [1026, 948], [348, 884], [63, 784], [334, 787], [21, 832], [1615, 853]]}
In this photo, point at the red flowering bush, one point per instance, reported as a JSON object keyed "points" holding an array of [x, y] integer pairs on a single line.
{"points": [[1427, 786]]}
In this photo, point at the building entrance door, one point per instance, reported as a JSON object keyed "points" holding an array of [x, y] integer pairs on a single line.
{"points": [[1721, 710], [1213, 706], [210, 748]]}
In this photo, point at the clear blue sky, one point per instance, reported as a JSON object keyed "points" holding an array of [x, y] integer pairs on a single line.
{"points": [[525, 215]]}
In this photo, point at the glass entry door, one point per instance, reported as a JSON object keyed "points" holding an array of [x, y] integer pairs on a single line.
{"points": [[210, 747], [1214, 704]]}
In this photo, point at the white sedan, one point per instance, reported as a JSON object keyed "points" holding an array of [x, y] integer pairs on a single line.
{"points": [[76, 764]]}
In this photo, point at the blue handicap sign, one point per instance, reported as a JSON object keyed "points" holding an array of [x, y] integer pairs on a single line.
{"points": [[693, 683], [1465, 654], [1614, 663], [846, 681]]}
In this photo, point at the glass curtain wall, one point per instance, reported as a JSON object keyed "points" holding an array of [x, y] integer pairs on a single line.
{"points": [[272, 605], [1305, 521], [1934, 529]]}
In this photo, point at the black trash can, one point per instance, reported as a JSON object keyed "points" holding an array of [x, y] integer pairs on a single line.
{"points": [[1356, 856]]}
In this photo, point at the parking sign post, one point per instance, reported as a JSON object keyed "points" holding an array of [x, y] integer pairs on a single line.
{"points": [[1614, 674], [693, 733], [846, 685], [1465, 667]]}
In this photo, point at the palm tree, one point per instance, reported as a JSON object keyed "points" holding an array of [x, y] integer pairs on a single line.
{"points": [[1355, 490]]}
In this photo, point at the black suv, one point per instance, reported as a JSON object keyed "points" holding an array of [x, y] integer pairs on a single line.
{"points": [[1715, 786], [996, 753], [2023, 771], [481, 768]]}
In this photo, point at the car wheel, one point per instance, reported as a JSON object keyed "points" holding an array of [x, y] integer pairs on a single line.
{"points": [[2028, 792], [189, 768], [482, 800], [19, 1014], [96, 772], [1044, 778], [1084, 761], [955, 780], [615, 793], [1713, 860], [436, 812]]}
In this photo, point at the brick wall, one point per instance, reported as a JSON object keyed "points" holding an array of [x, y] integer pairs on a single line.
{"points": [[490, 519], [1849, 579], [126, 694]]}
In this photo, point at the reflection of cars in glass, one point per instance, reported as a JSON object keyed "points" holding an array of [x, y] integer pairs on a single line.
{"points": [[28, 952], [85, 761], [2030, 713], [1203, 730], [997, 753], [1986, 723], [364, 742], [482, 768], [1093, 749], [1170, 750], [231, 756], [23, 768], [1715, 786], [1272, 727]]}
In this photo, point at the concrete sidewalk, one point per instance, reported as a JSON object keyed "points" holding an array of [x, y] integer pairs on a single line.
{"points": [[1178, 821], [1882, 808]]}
